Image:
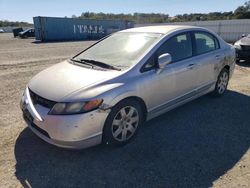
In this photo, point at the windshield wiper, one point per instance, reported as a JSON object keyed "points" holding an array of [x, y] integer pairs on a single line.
{"points": [[81, 62], [100, 64]]}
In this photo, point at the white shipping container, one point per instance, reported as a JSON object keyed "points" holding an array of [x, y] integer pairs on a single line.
{"points": [[229, 30]]}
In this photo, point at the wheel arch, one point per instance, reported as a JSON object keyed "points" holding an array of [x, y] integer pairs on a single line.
{"points": [[227, 67], [130, 95], [140, 101]]}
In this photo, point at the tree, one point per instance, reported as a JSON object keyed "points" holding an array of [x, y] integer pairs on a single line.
{"points": [[6, 23], [243, 12]]}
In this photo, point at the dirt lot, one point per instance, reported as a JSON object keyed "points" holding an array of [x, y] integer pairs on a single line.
{"points": [[204, 143]]}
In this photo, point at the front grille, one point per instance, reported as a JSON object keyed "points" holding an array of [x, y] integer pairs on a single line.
{"points": [[245, 48], [36, 99]]}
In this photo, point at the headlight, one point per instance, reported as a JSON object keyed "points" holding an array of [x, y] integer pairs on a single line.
{"points": [[237, 46], [75, 107]]}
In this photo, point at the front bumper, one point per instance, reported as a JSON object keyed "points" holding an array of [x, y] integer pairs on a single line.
{"points": [[242, 55], [68, 131]]}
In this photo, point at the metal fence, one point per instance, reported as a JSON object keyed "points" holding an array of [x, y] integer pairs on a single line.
{"points": [[229, 30]]}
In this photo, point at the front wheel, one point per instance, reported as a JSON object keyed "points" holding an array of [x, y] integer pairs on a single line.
{"points": [[222, 82], [123, 122]]}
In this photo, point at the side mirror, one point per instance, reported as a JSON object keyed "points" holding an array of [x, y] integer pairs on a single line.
{"points": [[163, 60], [243, 35]]}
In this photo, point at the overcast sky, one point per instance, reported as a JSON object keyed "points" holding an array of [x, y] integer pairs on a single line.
{"points": [[24, 10]]}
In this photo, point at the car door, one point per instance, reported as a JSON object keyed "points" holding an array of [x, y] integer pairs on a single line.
{"points": [[208, 54], [177, 80], [29, 33]]}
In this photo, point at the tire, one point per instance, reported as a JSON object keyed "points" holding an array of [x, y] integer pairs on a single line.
{"points": [[123, 122], [221, 84], [237, 60]]}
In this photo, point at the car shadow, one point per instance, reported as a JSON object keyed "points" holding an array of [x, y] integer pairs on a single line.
{"points": [[191, 146]]}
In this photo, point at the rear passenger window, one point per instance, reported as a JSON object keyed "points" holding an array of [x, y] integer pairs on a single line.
{"points": [[205, 43], [179, 47]]}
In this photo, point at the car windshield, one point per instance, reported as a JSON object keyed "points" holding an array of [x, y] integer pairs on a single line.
{"points": [[121, 49], [27, 30]]}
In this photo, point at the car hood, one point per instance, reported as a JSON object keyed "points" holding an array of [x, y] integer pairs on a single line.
{"points": [[65, 78], [244, 41]]}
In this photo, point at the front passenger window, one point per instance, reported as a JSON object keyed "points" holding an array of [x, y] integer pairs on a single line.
{"points": [[151, 64], [179, 47]]}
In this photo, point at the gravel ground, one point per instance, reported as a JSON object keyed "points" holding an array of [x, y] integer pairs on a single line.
{"points": [[204, 143]]}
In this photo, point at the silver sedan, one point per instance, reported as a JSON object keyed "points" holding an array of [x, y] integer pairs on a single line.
{"points": [[105, 93]]}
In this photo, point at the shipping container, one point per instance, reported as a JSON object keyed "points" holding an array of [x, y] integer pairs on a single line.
{"points": [[63, 29], [229, 30]]}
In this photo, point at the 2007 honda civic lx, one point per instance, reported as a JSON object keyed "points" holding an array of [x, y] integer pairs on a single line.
{"points": [[105, 93]]}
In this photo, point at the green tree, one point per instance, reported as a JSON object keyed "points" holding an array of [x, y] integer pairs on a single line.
{"points": [[243, 12]]}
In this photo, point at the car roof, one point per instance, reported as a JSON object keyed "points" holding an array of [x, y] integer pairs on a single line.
{"points": [[163, 29]]}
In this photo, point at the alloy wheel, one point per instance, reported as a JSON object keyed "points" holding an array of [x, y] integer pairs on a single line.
{"points": [[223, 81], [125, 123]]}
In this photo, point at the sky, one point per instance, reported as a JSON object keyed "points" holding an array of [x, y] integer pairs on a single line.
{"points": [[25, 10]]}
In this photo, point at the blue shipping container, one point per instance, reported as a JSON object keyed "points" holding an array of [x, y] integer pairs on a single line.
{"points": [[63, 29]]}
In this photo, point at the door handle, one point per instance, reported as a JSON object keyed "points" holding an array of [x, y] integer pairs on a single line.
{"points": [[218, 56], [190, 66]]}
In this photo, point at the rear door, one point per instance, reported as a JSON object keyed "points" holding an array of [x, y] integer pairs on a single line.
{"points": [[207, 55]]}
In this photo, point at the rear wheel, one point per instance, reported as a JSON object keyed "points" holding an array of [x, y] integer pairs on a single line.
{"points": [[222, 82], [123, 122]]}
